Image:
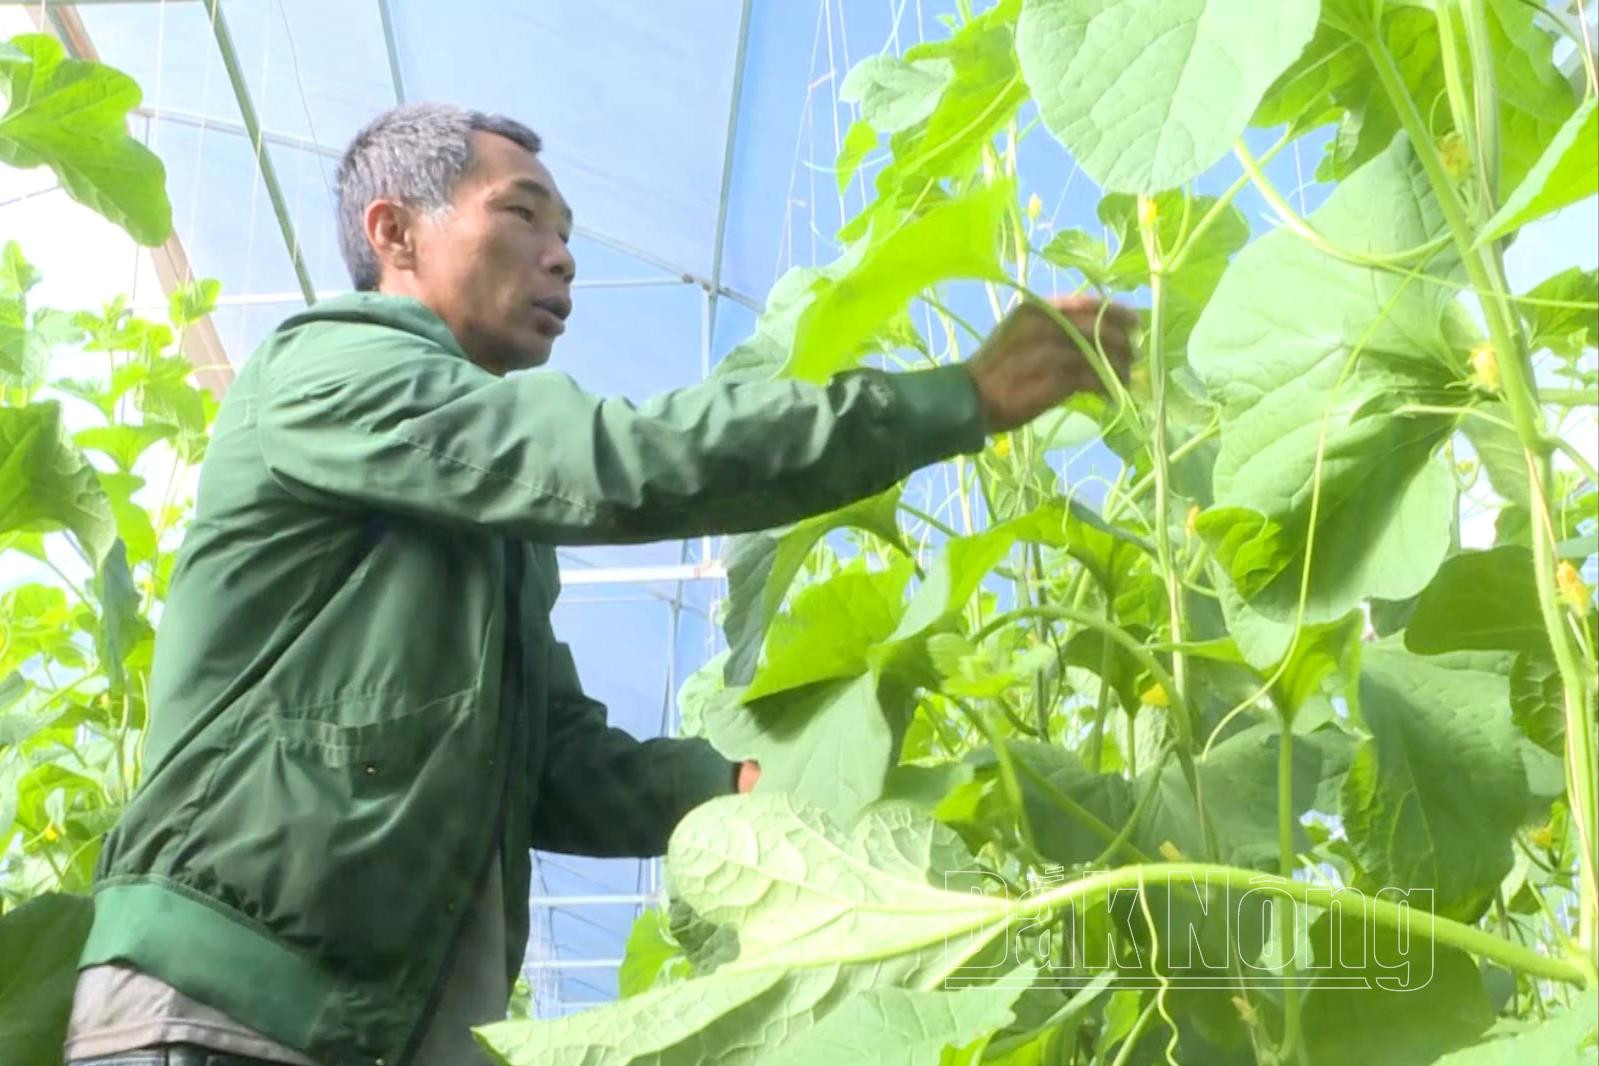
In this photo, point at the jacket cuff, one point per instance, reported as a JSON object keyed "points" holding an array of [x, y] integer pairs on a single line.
{"points": [[704, 773], [938, 414]]}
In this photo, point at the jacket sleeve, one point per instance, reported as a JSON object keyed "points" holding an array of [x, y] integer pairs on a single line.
{"points": [[605, 793], [389, 421]]}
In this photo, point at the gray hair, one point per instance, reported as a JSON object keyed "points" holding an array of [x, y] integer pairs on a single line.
{"points": [[415, 154]]}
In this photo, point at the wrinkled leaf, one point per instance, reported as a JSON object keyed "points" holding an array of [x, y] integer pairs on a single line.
{"points": [[1148, 96], [1564, 1040], [895, 93], [1435, 795], [45, 483], [1379, 988], [1280, 366], [831, 744], [71, 115]]}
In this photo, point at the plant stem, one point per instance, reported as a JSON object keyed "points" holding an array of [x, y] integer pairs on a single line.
{"points": [[1440, 930], [1570, 397], [1584, 467], [1078, 813], [1179, 708], [1096, 740], [1157, 437], [1520, 392], [1286, 919]]}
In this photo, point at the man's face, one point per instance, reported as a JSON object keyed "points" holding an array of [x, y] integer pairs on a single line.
{"points": [[496, 267]]}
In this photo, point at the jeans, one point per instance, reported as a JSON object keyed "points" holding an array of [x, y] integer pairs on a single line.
{"points": [[172, 1055]]}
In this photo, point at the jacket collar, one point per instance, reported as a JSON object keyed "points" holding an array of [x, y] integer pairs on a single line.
{"points": [[381, 309]]}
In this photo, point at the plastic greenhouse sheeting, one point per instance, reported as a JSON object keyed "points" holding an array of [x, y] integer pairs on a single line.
{"points": [[695, 140]]}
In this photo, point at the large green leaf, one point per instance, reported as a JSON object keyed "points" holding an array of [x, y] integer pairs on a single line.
{"points": [[955, 575], [45, 483], [124, 442], [651, 957], [1565, 330], [40, 942], [1238, 779], [955, 239], [762, 566], [1566, 1039], [899, 1026], [1567, 171], [1434, 797], [896, 93], [1378, 988], [1537, 700], [983, 93], [1296, 346], [27, 340], [119, 625], [1499, 450], [801, 1017], [1147, 95], [1480, 601], [891, 895], [1336, 79], [829, 628], [71, 115], [831, 744]]}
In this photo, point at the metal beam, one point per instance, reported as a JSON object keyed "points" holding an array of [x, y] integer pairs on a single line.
{"points": [[252, 124], [390, 46], [715, 287]]}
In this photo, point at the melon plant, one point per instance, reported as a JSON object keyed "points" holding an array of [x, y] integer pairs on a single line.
{"points": [[1248, 757]]}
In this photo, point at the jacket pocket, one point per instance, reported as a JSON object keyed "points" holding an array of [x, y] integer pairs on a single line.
{"points": [[364, 729]]}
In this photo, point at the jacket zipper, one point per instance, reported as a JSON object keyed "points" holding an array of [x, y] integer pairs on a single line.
{"points": [[514, 570]]}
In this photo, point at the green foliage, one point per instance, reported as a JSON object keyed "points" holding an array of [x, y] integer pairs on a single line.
{"points": [[70, 115], [1435, 795], [1147, 97], [1297, 380], [39, 946], [1026, 707], [75, 646], [1567, 171], [954, 239]]}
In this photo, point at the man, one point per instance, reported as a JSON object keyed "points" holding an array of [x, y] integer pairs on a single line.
{"points": [[362, 720]]}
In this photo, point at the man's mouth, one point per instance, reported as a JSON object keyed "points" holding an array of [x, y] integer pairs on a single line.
{"points": [[552, 313]]}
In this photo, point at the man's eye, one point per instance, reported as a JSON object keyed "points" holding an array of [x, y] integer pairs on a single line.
{"points": [[524, 213]]}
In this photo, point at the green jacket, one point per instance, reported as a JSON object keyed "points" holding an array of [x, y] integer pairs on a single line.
{"points": [[357, 695]]}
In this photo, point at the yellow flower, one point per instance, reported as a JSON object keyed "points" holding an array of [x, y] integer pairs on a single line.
{"points": [[1192, 525], [1485, 367], [1155, 695], [1169, 852], [1035, 206], [50, 834], [1002, 447], [1456, 160], [1148, 212], [1543, 836], [1572, 588]]}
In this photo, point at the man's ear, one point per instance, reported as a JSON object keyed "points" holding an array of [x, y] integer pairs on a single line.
{"points": [[391, 230]]}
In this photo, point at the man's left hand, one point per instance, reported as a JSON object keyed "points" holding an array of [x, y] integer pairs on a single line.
{"points": [[749, 771]]}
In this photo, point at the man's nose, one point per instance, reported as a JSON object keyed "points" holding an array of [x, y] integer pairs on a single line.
{"points": [[559, 261]]}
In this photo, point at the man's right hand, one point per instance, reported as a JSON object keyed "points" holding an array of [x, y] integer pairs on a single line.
{"points": [[1028, 364]]}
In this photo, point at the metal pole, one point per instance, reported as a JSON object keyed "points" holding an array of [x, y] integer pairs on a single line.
{"points": [[252, 124]]}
